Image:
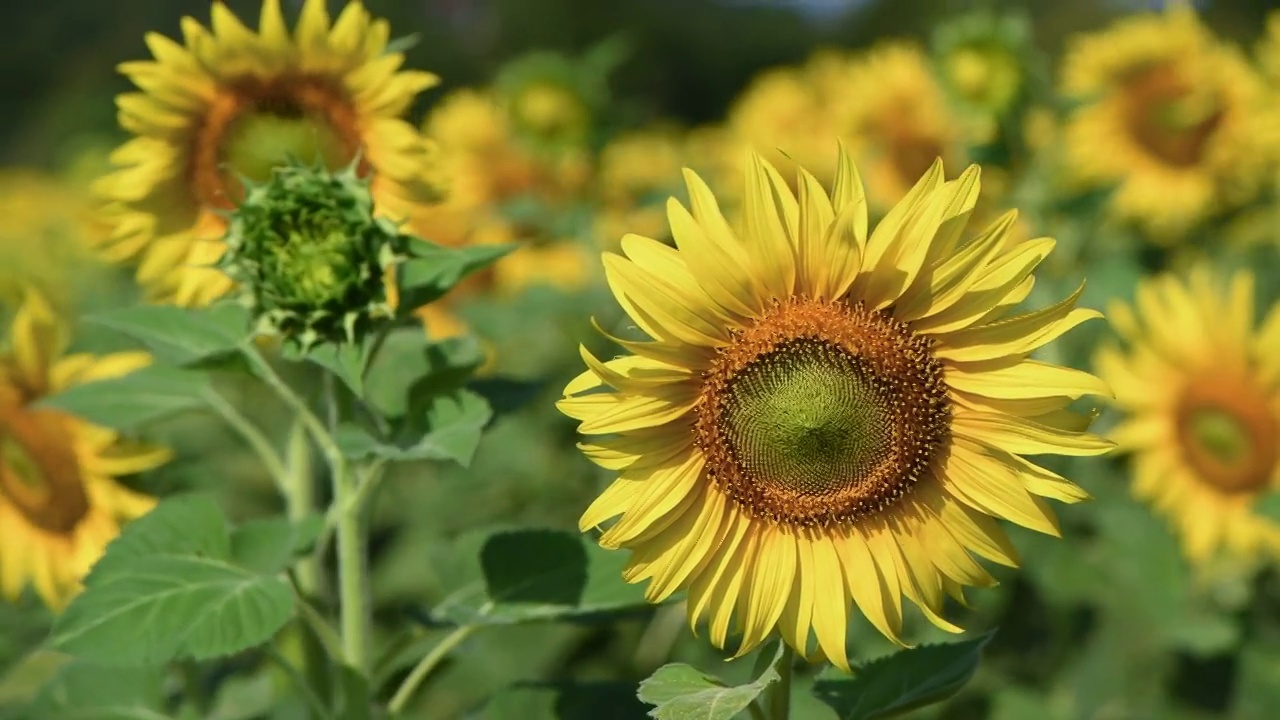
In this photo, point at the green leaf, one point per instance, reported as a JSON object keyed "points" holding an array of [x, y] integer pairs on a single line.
{"points": [[682, 692], [181, 336], [538, 574], [182, 525], [345, 360], [269, 545], [434, 269], [84, 691], [161, 608], [907, 680], [170, 587], [449, 428], [136, 399], [409, 359]]}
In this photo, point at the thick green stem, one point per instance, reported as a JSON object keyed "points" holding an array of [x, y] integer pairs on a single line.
{"points": [[423, 669], [779, 693]]}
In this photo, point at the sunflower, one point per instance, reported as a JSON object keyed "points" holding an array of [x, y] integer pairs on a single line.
{"points": [[1269, 48], [1200, 389], [823, 418], [229, 103], [897, 110], [1175, 119], [59, 502], [635, 177]]}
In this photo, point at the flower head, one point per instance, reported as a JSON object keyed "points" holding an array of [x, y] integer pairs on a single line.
{"points": [[60, 503], [311, 259], [822, 418], [229, 103], [1199, 386]]}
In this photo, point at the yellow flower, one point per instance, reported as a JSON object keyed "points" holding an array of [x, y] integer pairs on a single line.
{"points": [[228, 103], [823, 418], [1171, 116], [896, 113], [59, 502], [1200, 389], [45, 235], [784, 115]]}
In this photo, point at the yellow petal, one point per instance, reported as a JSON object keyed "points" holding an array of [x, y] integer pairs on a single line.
{"points": [[767, 587]]}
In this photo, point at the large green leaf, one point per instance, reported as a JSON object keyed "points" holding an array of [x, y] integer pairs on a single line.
{"points": [[902, 682], [269, 545], [541, 574], [177, 584], [682, 692], [135, 399], [434, 269], [181, 336]]}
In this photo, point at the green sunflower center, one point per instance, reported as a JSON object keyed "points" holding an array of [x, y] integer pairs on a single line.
{"points": [[821, 412], [804, 418], [259, 142], [39, 472], [1221, 435]]}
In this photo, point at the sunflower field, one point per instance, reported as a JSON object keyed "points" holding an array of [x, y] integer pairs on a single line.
{"points": [[670, 359]]}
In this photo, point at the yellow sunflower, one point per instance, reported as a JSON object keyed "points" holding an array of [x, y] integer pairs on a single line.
{"points": [[1174, 118], [895, 108], [229, 103], [1200, 389], [59, 502], [1269, 49], [637, 172], [824, 418]]}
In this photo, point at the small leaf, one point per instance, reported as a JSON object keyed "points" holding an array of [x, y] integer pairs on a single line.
{"points": [[449, 428], [409, 359], [902, 682], [84, 691], [269, 545], [185, 525], [434, 269], [135, 399], [543, 575], [345, 360], [181, 336], [682, 692], [166, 607]]}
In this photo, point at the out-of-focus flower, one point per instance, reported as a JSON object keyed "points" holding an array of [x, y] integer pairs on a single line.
{"points": [[60, 503], [1174, 118], [785, 115], [46, 233], [986, 62], [1200, 388], [228, 103], [897, 114], [637, 173], [818, 425]]}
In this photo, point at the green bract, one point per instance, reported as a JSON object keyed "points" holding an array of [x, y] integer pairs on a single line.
{"points": [[311, 260]]}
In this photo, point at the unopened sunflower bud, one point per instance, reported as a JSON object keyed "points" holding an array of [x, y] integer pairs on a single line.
{"points": [[311, 259]]}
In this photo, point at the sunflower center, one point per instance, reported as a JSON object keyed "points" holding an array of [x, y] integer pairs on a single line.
{"points": [[1228, 436], [804, 417], [39, 473], [821, 412], [256, 125], [1168, 117]]}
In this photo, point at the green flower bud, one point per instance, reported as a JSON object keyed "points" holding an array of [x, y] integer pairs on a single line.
{"points": [[311, 260]]}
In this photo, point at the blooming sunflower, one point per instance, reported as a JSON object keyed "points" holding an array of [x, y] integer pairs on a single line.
{"points": [[1175, 119], [822, 417], [229, 103], [1200, 389], [59, 502]]}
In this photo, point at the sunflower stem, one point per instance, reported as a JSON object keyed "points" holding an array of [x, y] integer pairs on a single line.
{"points": [[779, 693], [300, 502], [253, 437], [423, 669]]}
